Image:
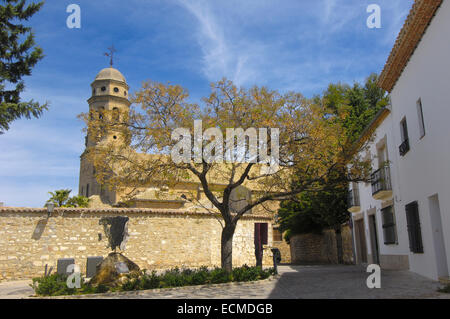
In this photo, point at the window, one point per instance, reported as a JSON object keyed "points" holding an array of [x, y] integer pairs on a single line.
{"points": [[125, 93], [404, 147], [93, 91], [103, 88], [82, 190], [389, 229], [404, 129], [116, 90], [116, 114], [420, 116], [87, 190], [414, 231], [277, 235], [100, 112]]}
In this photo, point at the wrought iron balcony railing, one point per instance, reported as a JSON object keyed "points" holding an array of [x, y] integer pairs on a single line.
{"points": [[381, 181], [404, 147]]}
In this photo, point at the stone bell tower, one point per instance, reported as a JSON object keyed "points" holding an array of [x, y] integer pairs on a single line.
{"points": [[109, 93]]}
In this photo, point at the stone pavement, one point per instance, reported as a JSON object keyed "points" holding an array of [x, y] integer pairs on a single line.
{"points": [[329, 281], [16, 289]]}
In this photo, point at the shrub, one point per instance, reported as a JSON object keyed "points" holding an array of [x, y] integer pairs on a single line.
{"points": [[172, 278], [445, 289], [242, 274], [200, 276], [55, 284], [130, 284], [246, 273], [89, 289], [219, 276], [100, 289], [150, 281]]}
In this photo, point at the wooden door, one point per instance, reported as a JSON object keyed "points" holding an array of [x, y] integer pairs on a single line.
{"points": [[360, 236]]}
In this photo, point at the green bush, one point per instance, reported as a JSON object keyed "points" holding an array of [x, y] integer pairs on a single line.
{"points": [[55, 285], [246, 273], [219, 276], [445, 289], [150, 281], [200, 276]]}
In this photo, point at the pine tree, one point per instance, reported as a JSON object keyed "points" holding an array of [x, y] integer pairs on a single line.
{"points": [[18, 55]]}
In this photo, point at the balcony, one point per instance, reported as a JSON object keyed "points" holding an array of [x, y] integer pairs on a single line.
{"points": [[404, 147], [353, 201], [381, 183]]}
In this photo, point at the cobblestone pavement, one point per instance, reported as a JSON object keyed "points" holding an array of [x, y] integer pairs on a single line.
{"points": [[293, 282]]}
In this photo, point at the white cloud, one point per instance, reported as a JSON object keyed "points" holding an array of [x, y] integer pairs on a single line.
{"points": [[287, 45], [217, 55], [296, 47]]}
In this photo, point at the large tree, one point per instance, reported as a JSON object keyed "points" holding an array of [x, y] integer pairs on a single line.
{"points": [[18, 55], [311, 143], [314, 211]]}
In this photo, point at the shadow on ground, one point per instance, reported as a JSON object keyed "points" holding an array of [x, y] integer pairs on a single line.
{"points": [[348, 282]]}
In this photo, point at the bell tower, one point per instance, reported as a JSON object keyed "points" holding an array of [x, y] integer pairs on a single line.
{"points": [[109, 93]]}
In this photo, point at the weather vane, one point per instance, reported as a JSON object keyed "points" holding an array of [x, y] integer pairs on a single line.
{"points": [[112, 50]]}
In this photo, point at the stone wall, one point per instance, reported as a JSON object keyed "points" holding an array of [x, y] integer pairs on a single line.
{"points": [[321, 248], [285, 251], [159, 239]]}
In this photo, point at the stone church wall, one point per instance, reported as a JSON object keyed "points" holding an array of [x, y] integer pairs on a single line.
{"points": [[159, 239]]}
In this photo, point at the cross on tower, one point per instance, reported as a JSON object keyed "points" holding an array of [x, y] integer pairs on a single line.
{"points": [[112, 50]]}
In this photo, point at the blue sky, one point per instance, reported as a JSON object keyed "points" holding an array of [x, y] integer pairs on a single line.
{"points": [[299, 45]]}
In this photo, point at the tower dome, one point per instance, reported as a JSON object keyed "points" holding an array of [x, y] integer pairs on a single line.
{"points": [[110, 74]]}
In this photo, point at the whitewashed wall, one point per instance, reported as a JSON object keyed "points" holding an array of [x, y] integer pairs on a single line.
{"points": [[425, 170]]}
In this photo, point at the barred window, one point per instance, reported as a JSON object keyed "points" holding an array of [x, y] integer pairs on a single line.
{"points": [[389, 228], [414, 231]]}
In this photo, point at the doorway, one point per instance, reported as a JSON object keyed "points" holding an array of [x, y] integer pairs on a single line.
{"points": [[360, 239], [374, 239], [260, 238], [438, 236]]}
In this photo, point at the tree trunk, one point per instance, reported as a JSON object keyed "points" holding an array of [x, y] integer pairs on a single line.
{"points": [[227, 247], [340, 254]]}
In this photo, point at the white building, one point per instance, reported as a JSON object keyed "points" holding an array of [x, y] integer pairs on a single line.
{"points": [[404, 220]]}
